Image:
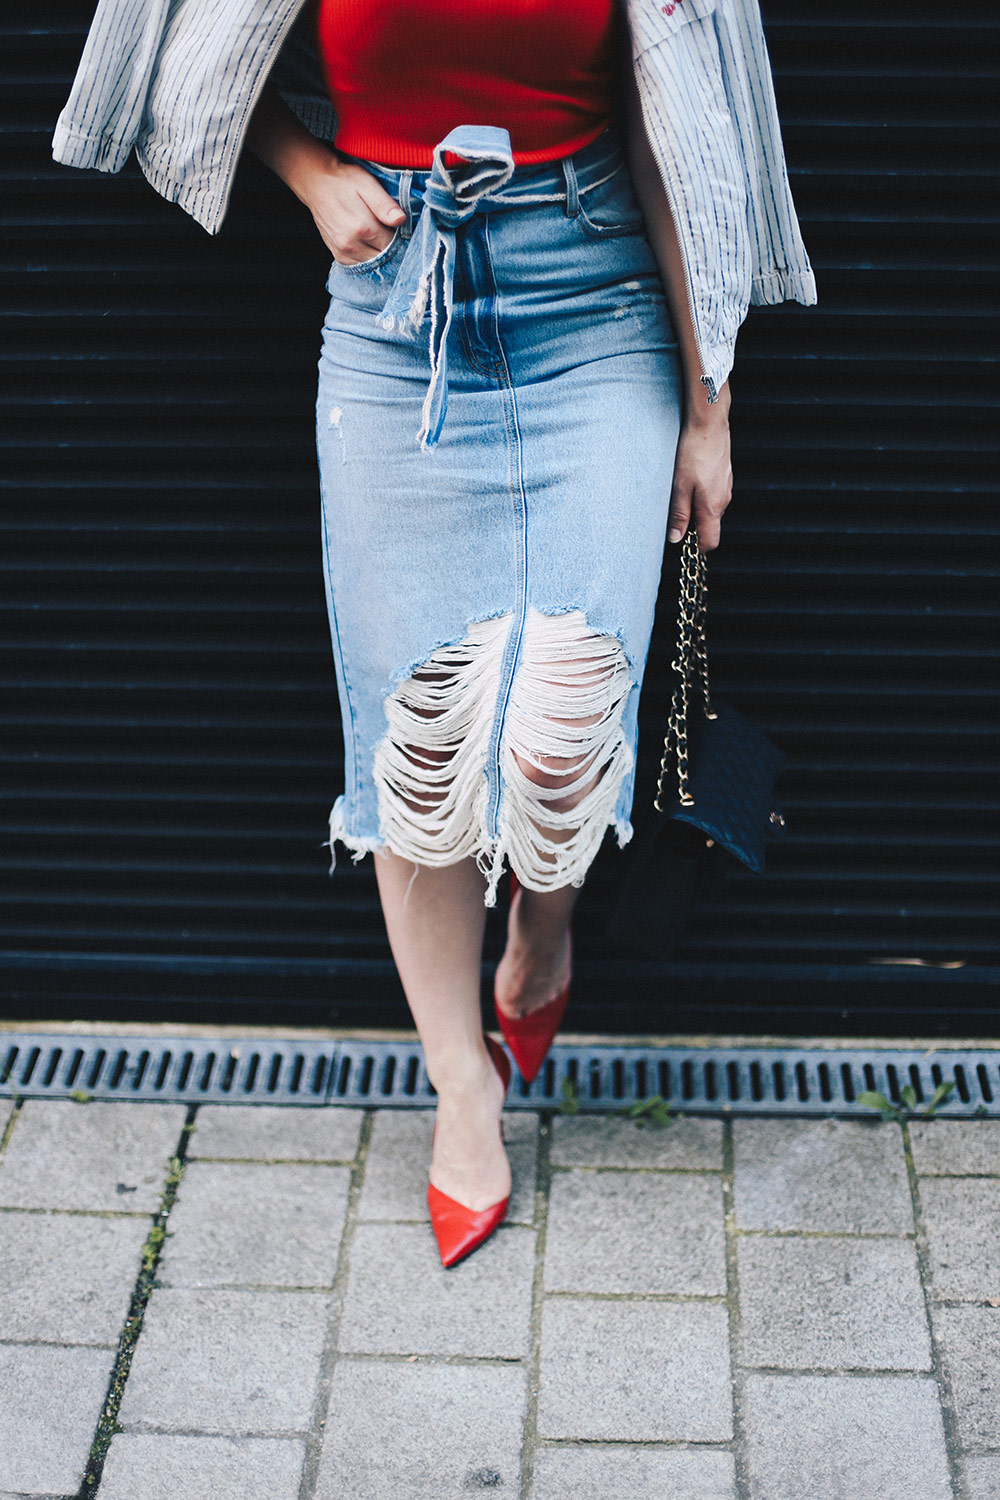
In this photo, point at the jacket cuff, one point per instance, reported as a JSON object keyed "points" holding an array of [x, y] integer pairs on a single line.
{"points": [[105, 153], [784, 286]]}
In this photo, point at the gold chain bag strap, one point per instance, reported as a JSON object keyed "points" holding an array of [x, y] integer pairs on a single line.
{"points": [[690, 662], [725, 771]]}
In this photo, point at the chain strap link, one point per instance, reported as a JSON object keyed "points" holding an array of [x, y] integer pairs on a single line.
{"points": [[691, 663]]}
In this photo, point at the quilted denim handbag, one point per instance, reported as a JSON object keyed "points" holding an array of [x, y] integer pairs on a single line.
{"points": [[725, 768]]}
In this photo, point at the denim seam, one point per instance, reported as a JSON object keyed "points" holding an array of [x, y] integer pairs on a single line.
{"points": [[339, 648], [512, 652], [493, 372]]}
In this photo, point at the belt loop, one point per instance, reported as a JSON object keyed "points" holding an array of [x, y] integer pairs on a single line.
{"points": [[572, 198], [405, 178]]}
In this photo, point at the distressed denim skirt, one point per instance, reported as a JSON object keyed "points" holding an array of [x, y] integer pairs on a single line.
{"points": [[499, 407]]}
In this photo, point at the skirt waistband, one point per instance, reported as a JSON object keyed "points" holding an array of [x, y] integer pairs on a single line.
{"points": [[538, 182]]}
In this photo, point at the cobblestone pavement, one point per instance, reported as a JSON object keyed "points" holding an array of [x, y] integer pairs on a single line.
{"points": [[749, 1309]]}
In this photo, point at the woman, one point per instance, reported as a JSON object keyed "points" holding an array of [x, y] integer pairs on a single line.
{"points": [[546, 224]]}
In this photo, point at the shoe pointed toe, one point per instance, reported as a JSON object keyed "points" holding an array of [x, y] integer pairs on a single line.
{"points": [[459, 1230], [530, 1037]]}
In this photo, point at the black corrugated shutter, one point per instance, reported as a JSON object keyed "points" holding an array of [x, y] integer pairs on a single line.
{"points": [[170, 738]]}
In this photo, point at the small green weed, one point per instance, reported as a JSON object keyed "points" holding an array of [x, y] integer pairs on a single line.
{"points": [[80, 1096], [652, 1111], [151, 1248], [174, 1174], [907, 1107], [569, 1104]]}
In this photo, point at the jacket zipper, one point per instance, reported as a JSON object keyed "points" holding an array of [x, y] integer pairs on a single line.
{"points": [[671, 197]]}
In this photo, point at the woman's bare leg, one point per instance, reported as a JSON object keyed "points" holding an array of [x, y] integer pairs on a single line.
{"points": [[435, 920], [536, 961]]}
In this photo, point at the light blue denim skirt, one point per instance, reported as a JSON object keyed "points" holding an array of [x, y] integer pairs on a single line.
{"points": [[498, 413]]}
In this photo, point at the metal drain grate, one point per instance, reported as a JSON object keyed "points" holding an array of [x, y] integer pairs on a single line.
{"points": [[696, 1080], [212, 1070]]}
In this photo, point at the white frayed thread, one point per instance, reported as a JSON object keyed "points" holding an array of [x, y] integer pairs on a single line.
{"points": [[429, 767], [409, 884], [563, 718], [437, 353], [338, 831], [409, 323]]}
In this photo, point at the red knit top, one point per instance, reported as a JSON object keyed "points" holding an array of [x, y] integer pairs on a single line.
{"points": [[402, 73]]}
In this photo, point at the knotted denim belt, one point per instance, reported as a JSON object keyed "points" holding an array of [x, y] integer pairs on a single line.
{"points": [[427, 271]]}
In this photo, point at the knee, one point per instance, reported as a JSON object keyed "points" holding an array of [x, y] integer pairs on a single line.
{"points": [[563, 780]]}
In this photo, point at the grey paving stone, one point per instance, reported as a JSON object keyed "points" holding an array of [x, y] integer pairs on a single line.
{"points": [[981, 1475], [6, 1110], [400, 1300], [638, 1473], [962, 1219], [425, 1431], [226, 1361], [51, 1400], [956, 1147], [844, 1437], [635, 1232], [399, 1157], [271, 1132], [969, 1339], [635, 1371], [94, 1155], [158, 1466], [607, 1141], [65, 1279], [832, 1303], [844, 1176], [244, 1223]]}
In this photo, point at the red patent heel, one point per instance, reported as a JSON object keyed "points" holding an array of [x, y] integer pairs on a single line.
{"points": [[530, 1037], [457, 1229]]}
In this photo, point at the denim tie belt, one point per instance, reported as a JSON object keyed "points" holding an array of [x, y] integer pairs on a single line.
{"points": [[426, 274]]}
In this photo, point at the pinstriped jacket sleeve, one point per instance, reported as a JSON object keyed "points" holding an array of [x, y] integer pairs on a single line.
{"points": [[708, 102], [781, 267], [111, 86], [188, 73], [691, 131]]}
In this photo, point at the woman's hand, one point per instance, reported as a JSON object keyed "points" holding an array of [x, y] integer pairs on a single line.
{"points": [[352, 210], [703, 475]]}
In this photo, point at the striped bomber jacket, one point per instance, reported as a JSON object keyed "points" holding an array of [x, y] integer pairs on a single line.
{"points": [[178, 79]]}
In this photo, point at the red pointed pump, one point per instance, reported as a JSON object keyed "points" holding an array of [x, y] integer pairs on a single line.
{"points": [[457, 1229], [530, 1037]]}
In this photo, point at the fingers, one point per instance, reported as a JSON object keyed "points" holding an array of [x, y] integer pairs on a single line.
{"points": [[680, 513], [356, 216], [709, 532], [708, 518], [707, 510], [382, 204]]}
